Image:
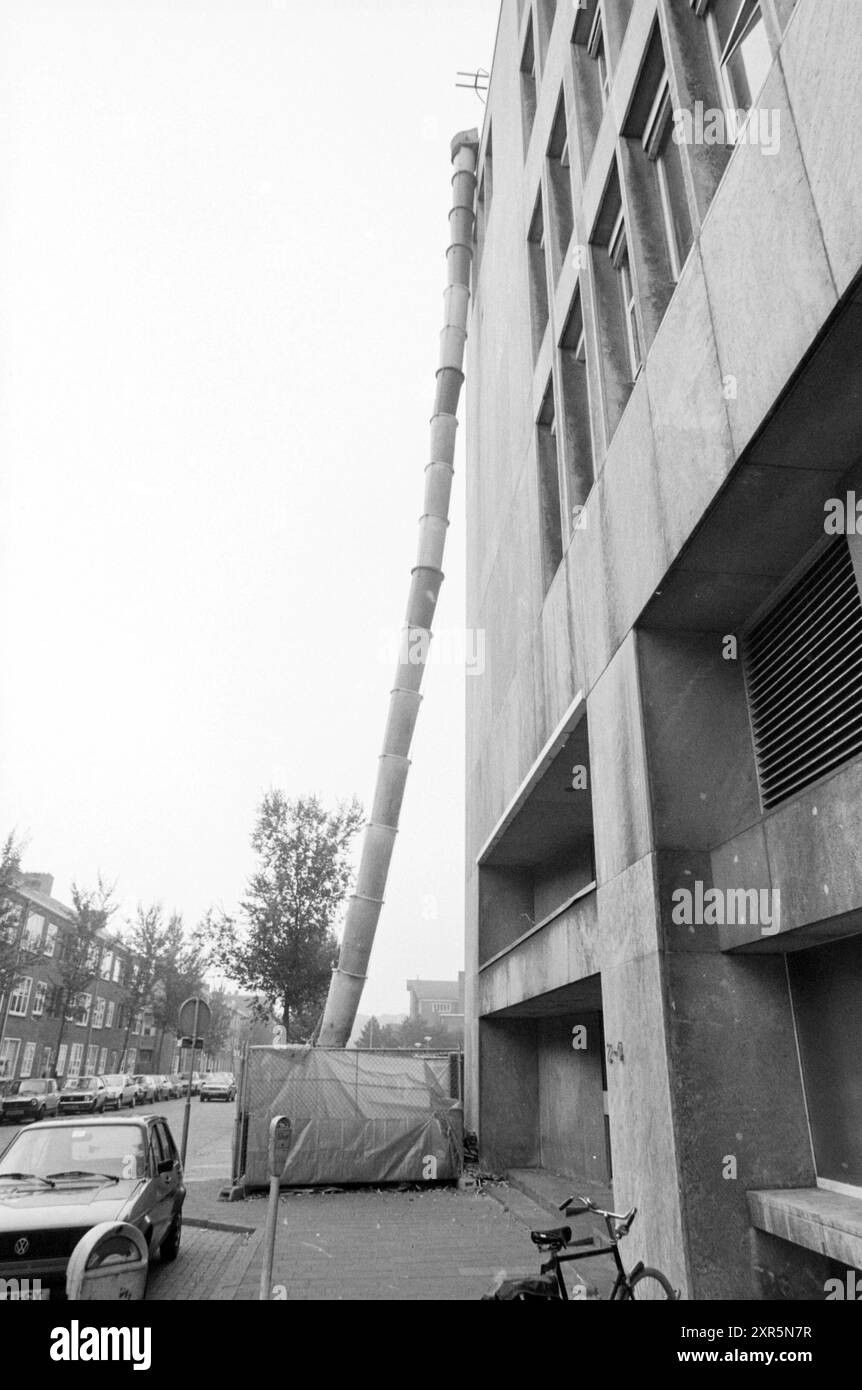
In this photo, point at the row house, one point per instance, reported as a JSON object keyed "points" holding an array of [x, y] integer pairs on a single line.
{"points": [[96, 1035]]}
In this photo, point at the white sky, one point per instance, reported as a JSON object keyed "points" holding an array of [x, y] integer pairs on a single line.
{"points": [[222, 231]]}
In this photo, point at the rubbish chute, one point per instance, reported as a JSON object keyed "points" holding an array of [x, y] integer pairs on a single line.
{"points": [[363, 911]]}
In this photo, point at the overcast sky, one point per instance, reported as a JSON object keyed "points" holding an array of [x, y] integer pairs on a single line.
{"points": [[222, 237]]}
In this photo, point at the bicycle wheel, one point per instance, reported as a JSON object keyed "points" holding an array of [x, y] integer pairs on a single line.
{"points": [[649, 1284]]}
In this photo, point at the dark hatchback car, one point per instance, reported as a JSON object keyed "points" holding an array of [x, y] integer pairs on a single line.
{"points": [[32, 1099], [59, 1178]]}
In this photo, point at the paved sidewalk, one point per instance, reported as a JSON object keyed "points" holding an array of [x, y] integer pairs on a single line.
{"points": [[429, 1244]]}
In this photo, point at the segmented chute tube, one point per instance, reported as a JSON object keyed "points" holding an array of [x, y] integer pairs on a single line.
{"points": [[363, 909]]}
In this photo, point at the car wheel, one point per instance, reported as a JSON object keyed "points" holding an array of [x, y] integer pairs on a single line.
{"points": [[170, 1246]]}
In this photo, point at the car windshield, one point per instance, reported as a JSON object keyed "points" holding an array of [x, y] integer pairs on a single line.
{"points": [[34, 1087], [114, 1080], [221, 1078], [80, 1083], [112, 1150]]}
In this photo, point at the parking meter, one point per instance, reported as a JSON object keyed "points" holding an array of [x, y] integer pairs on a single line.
{"points": [[108, 1263]]}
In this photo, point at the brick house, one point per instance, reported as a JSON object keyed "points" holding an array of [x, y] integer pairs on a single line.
{"points": [[94, 1032]]}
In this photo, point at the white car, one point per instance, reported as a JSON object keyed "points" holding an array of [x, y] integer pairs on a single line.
{"points": [[218, 1085], [120, 1090]]}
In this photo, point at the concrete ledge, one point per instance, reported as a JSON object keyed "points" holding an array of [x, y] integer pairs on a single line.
{"points": [[827, 1222]]}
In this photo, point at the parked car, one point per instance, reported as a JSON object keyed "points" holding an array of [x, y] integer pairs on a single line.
{"points": [[31, 1099], [176, 1085], [166, 1090], [145, 1089], [119, 1090], [196, 1081], [218, 1085], [84, 1093], [59, 1178]]}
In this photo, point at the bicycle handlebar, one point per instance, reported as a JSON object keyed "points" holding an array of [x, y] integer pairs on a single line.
{"points": [[624, 1217]]}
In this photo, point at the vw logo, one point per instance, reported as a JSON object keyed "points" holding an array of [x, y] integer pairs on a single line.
{"points": [[22, 1245]]}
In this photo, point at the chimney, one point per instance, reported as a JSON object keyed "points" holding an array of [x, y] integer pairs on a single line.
{"points": [[40, 883]]}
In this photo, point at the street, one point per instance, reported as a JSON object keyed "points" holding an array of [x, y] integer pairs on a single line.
{"points": [[210, 1131]]}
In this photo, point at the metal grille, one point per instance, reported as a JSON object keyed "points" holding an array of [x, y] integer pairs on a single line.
{"points": [[804, 675]]}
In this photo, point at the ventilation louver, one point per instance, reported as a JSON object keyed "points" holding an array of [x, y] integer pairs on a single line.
{"points": [[803, 664]]}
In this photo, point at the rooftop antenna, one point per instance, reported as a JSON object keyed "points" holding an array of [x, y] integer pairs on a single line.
{"points": [[478, 82]]}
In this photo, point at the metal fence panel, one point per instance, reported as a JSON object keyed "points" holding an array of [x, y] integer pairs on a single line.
{"points": [[358, 1116]]}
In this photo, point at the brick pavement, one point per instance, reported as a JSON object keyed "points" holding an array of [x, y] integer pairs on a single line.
{"points": [[210, 1265], [435, 1244]]}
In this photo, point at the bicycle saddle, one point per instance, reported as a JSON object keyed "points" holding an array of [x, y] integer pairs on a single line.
{"points": [[552, 1240]]}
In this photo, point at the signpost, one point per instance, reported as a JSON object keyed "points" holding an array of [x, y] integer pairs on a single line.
{"points": [[280, 1139], [194, 1020]]}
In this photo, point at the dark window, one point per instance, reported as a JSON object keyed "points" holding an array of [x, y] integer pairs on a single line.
{"points": [[560, 188], [577, 438], [528, 85], [538, 275], [549, 488]]}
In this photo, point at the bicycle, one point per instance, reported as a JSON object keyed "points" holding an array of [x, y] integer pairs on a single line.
{"points": [[642, 1283]]}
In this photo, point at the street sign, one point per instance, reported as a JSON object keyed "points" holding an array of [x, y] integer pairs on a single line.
{"points": [[194, 1017], [193, 1022], [280, 1140]]}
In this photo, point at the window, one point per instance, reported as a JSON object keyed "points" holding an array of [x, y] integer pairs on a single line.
{"points": [[103, 1058], [538, 276], [107, 965], [528, 86], [33, 935], [619, 352], [92, 1058], [560, 188], [119, 971], [618, 250], [27, 1059], [39, 998], [47, 1059], [19, 1001], [549, 488], [115, 1060], [50, 939], [484, 197], [109, 1015], [99, 1012], [61, 1059], [9, 1049], [137, 1022], [545, 11], [577, 438], [76, 1052], [664, 153], [590, 93], [598, 52], [441, 1006], [83, 1009], [741, 52], [130, 1059]]}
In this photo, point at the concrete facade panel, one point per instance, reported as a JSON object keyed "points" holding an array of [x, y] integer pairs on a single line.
{"points": [[764, 262], [618, 762], [821, 57]]}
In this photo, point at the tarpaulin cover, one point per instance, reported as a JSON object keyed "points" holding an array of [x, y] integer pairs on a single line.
{"points": [[357, 1116]]}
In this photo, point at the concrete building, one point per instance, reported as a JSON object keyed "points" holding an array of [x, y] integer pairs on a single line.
{"points": [[664, 434], [97, 1035]]}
